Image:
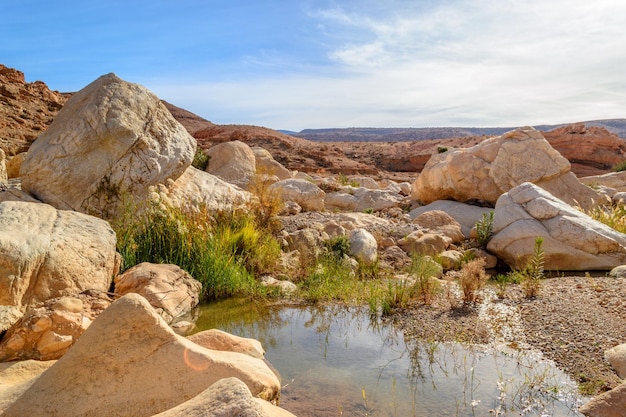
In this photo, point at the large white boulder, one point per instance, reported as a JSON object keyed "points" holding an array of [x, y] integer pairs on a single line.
{"points": [[573, 241], [494, 166], [234, 162], [110, 142], [130, 363], [47, 253], [465, 214]]}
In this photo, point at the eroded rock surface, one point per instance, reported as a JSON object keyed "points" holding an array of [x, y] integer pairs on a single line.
{"points": [[47, 253], [573, 241], [140, 368], [111, 141], [491, 168]]}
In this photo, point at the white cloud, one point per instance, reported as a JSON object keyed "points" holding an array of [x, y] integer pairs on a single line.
{"points": [[491, 62]]}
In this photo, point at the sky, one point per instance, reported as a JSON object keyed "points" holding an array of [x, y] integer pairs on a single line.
{"points": [[296, 64]]}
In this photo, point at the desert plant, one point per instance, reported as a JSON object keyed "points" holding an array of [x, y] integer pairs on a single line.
{"points": [[484, 228], [338, 246], [442, 149], [533, 272], [425, 270], [472, 278], [269, 201], [396, 296], [345, 180], [200, 159], [612, 216], [620, 167], [222, 251]]}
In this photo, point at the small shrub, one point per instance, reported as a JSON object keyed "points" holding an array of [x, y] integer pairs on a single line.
{"points": [[613, 216], [442, 149], [502, 281], [200, 159], [396, 296], [345, 180], [484, 228], [472, 279], [425, 270], [338, 246], [620, 167], [533, 273], [369, 210]]}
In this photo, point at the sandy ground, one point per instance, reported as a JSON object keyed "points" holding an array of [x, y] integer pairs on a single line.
{"points": [[573, 321]]}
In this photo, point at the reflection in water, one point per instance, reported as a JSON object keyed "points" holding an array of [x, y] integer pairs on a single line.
{"points": [[336, 361]]}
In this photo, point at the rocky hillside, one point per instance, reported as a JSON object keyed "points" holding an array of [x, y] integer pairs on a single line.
{"points": [[26, 109]]}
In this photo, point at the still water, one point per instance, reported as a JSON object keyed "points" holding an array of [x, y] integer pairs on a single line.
{"points": [[337, 361]]}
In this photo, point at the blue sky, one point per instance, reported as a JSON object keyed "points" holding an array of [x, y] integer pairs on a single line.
{"points": [[296, 64]]}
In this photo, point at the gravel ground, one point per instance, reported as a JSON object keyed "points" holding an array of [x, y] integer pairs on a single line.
{"points": [[572, 321]]}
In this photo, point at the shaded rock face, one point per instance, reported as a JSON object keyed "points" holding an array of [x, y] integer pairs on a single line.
{"points": [[491, 168], [170, 290], [47, 331], [26, 110], [47, 253], [591, 150], [233, 162], [140, 368], [573, 241], [110, 142]]}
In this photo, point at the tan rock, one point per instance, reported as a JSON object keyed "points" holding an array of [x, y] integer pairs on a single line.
{"points": [[465, 214], [47, 253], [170, 290], [111, 374], [306, 194], [216, 339], [233, 162], [228, 397], [4, 180], [16, 377], [615, 180], [609, 404], [111, 141], [616, 356], [14, 164], [424, 243], [573, 241], [47, 331], [494, 166], [441, 222], [266, 164], [591, 149]]}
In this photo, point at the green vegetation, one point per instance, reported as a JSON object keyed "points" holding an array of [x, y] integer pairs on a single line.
{"points": [[345, 180], [425, 270], [200, 159], [533, 273], [620, 167], [223, 251], [442, 149], [484, 228]]}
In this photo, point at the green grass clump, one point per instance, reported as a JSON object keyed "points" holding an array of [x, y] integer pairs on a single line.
{"points": [[620, 167], [200, 159], [222, 251]]}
